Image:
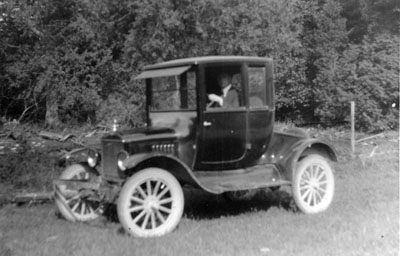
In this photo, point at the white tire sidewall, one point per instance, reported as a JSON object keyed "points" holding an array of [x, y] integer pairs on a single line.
{"points": [[127, 191], [330, 190]]}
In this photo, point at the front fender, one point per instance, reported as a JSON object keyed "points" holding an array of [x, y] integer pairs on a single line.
{"points": [[78, 155], [134, 160], [287, 149], [169, 163]]}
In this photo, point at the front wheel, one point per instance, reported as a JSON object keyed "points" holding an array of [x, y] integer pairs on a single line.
{"points": [[150, 203], [313, 184]]}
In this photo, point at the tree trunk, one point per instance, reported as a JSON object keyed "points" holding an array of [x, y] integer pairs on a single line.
{"points": [[52, 118]]}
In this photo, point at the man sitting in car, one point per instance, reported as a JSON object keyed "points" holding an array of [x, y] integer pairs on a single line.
{"points": [[229, 97]]}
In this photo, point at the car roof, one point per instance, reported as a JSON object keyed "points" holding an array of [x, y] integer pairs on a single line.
{"points": [[207, 59]]}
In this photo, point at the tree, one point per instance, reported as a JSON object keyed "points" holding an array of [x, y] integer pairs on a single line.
{"points": [[370, 17], [73, 61], [322, 39], [383, 16], [62, 63], [367, 74]]}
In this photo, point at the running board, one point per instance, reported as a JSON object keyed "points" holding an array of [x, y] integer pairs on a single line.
{"points": [[260, 176]]}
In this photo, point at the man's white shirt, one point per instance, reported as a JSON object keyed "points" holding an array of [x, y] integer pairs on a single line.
{"points": [[226, 90]]}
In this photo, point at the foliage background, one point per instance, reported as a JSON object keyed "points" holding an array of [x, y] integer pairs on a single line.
{"points": [[69, 62]]}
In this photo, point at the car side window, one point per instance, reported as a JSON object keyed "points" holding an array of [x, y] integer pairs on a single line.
{"points": [[174, 93], [257, 87]]}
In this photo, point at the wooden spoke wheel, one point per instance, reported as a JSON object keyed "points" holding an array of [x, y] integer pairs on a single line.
{"points": [[150, 203], [70, 203], [313, 184]]}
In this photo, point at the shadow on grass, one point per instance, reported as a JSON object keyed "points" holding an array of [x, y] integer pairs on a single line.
{"points": [[202, 205]]}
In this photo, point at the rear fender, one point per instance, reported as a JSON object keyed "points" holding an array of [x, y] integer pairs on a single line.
{"points": [[169, 163], [287, 149]]}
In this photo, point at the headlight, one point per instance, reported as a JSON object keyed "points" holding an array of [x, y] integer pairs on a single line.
{"points": [[121, 157], [92, 158]]}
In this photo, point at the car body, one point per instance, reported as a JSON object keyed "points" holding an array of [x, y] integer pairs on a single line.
{"points": [[188, 141]]}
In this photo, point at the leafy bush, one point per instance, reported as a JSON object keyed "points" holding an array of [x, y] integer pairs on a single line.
{"points": [[367, 74], [123, 108]]}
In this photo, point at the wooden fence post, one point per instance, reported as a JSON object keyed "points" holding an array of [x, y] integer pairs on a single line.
{"points": [[353, 137]]}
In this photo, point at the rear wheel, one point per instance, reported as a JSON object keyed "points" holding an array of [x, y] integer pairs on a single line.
{"points": [[151, 203], [72, 204], [313, 184]]}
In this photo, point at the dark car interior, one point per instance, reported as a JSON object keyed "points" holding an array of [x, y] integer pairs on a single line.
{"points": [[211, 80]]}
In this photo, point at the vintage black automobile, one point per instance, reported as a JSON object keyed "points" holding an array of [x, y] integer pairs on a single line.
{"points": [[192, 141]]}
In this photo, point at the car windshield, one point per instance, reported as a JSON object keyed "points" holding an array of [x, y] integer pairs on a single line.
{"points": [[174, 93]]}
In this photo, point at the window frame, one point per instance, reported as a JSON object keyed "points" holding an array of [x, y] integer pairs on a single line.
{"points": [[223, 67], [266, 91], [182, 90]]}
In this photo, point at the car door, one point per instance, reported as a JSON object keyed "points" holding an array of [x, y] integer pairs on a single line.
{"points": [[223, 137]]}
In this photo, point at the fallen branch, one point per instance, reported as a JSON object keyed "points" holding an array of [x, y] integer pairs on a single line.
{"points": [[373, 152], [90, 134], [50, 135], [78, 141], [370, 137], [33, 197], [8, 135], [55, 136], [24, 112]]}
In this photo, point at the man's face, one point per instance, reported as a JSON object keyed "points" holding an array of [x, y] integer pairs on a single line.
{"points": [[224, 81]]}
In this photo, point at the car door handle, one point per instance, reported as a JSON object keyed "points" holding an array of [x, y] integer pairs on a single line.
{"points": [[205, 123]]}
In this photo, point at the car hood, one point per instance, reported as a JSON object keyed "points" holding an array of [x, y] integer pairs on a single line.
{"points": [[141, 134]]}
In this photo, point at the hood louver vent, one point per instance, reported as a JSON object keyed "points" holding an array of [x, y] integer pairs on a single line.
{"points": [[167, 148]]}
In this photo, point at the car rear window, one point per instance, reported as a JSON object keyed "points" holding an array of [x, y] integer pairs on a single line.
{"points": [[257, 87]]}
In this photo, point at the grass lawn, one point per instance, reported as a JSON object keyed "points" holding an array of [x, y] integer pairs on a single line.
{"points": [[362, 220]]}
